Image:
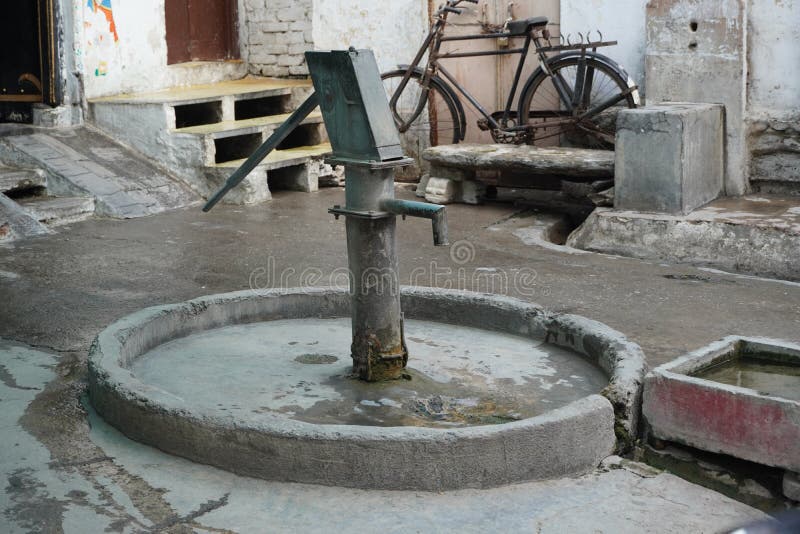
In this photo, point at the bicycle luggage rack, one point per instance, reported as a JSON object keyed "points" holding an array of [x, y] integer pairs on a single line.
{"points": [[582, 47]]}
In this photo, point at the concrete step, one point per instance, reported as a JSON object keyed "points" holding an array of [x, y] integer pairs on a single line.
{"points": [[56, 211], [13, 179], [201, 133], [245, 126], [297, 169], [83, 162], [243, 89], [16, 222], [282, 158]]}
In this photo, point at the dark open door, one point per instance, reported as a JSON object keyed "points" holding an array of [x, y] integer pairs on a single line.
{"points": [[201, 30], [27, 58]]}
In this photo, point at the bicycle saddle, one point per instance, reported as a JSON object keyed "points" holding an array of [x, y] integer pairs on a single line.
{"points": [[522, 27]]}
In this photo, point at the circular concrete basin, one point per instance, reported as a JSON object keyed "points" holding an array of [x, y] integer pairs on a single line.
{"points": [[257, 382]]}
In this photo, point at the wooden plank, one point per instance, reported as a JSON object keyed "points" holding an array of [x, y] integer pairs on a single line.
{"points": [[20, 98]]}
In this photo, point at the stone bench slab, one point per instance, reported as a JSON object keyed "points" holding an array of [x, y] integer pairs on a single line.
{"points": [[575, 162]]}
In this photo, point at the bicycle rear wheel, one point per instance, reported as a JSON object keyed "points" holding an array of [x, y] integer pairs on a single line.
{"points": [[540, 102], [437, 124]]}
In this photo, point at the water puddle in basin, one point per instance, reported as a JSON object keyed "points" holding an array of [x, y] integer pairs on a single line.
{"points": [[762, 374], [300, 369]]}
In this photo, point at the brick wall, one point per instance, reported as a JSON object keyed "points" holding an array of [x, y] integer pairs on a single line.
{"points": [[279, 32]]}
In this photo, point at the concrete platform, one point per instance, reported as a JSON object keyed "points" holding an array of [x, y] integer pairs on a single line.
{"points": [[535, 444], [64, 469], [756, 234], [86, 477]]}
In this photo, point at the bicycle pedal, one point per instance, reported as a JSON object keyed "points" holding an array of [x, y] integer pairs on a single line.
{"points": [[483, 124]]}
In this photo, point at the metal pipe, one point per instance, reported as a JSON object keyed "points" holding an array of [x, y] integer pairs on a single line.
{"points": [[378, 350], [410, 208]]}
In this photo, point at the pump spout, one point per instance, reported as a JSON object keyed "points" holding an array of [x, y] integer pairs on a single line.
{"points": [[435, 213]]}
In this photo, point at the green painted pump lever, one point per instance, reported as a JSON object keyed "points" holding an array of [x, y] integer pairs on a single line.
{"points": [[263, 151]]}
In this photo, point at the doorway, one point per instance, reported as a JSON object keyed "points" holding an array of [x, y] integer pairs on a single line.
{"points": [[27, 60], [201, 30]]}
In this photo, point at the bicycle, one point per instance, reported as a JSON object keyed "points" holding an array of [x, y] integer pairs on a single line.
{"points": [[571, 92]]}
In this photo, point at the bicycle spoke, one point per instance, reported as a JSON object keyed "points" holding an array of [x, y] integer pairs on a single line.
{"points": [[422, 114], [601, 92]]}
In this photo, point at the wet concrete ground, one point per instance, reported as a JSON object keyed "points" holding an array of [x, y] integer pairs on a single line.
{"points": [[456, 376], [60, 290], [65, 472]]}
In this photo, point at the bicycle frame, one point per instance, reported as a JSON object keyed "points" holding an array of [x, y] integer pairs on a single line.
{"points": [[570, 99]]}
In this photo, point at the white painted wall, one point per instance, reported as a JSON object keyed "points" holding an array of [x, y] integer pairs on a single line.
{"points": [[618, 20], [137, 61], [393, 30], [774, 59]]}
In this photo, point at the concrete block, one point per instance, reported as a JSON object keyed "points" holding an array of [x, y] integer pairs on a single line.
{"points": [[472, 192], [791, 485], [451, 173], [422, 185], [442, 190], [304, 177], [68, 115], [327, 175], [669, 157]]}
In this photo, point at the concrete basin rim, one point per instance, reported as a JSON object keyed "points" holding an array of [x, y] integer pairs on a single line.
{"points": [[680, 368], [110, 374]]}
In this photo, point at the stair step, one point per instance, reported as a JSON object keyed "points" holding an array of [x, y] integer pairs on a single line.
{"points": [[81, 161], [240, 127], [13, 179], [17, 223], [283, 158], [55, 211], [243, 89]]}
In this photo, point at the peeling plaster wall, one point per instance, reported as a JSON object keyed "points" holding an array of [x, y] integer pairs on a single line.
{"points": [[135, 59], [697, 52], [774, 34], [618, 20], [773, 99], [393, 30]]}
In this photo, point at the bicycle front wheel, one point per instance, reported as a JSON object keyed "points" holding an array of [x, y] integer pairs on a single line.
{"points": [[437, 124], [543, 107]]}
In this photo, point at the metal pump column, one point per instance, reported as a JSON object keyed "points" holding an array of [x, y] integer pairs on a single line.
{"points": [[364, 139]]}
